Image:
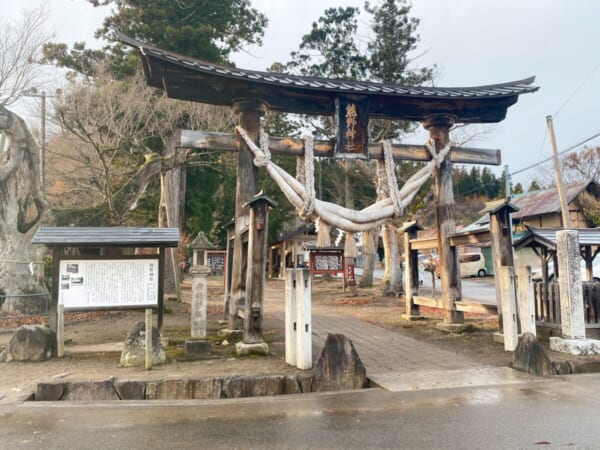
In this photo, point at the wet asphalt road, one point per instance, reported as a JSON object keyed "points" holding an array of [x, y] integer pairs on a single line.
{"points": [[561, 412]]}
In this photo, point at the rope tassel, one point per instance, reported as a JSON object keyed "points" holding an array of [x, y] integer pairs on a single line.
{"points": [[350, 246], [323, 234]]}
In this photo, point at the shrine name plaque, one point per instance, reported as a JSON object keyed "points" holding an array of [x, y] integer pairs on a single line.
{"points": [[108, 283]]}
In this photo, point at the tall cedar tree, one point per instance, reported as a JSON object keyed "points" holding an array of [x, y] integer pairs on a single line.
{"points": [[204, 29]]}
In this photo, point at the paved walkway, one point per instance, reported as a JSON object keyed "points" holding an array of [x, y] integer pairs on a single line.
{"points": [[394, 360]]}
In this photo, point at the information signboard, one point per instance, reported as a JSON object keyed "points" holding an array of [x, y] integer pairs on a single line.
{"points": [[331, 262], [108, 283]]}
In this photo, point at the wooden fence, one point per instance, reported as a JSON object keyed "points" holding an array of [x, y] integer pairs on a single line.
{"points": [[547, 304]]}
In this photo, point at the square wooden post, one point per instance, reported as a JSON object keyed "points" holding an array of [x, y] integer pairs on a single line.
{"points": [[228, 269]]}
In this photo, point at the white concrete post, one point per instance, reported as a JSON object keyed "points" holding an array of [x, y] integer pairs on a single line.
{"points": [[199, 301], [526, 301], [290, 317], [303, 319], [509, 307], [148, 361], [571, 291]]}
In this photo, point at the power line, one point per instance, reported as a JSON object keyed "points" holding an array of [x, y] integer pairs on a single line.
{"points": [[491, 183], [577, 90], [560, 153]]}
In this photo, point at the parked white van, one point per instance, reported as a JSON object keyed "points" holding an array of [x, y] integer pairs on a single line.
{"points": [[472, 265]]}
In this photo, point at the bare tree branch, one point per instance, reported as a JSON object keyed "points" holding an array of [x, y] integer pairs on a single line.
{"points": [[21, 43]]}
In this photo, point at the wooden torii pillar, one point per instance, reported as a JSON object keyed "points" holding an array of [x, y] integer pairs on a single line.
{"points": [[439, 132], [249, 112]]}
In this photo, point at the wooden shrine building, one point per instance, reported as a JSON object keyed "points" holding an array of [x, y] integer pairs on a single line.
{"points": [[353, 103]]}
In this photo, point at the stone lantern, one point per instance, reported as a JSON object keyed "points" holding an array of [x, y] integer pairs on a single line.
{"points": [[200, 246]]}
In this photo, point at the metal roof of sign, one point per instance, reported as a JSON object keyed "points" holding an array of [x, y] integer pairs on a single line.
{"points": [[107, 237]]}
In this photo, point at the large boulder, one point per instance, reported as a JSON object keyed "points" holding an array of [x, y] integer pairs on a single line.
{"points": [[30, 343], [530, 357], [134, 350], [339, 367]]}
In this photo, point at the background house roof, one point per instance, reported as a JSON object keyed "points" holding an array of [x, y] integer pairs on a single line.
{"points": [[546, 201], [546, 237]]}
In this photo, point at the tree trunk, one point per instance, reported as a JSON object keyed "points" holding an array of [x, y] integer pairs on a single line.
{"points": [[366, 279], [171, 212], [370, 262], [391, 282], [22, 208]]}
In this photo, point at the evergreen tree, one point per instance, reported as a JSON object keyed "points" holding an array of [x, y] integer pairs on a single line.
{"points": [[205, 29], [489, 183], [395, 36], [517, 189], [330, 49], [533, 186]]}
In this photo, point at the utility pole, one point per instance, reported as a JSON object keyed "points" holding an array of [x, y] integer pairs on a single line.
{"points": [[564, 207], [507, 189], [33, 92]]}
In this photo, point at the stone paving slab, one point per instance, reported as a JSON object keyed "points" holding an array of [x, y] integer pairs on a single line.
{"points": [[398, 362], [383, 351], [447, 379]]}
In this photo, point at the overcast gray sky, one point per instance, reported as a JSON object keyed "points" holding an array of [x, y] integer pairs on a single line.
{"points": [[473, 42]]}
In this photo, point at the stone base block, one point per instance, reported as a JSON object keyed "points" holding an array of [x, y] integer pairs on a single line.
{"points": [[498, 338], [451, 327], [231, 333], [243, 349], [411, 317], [575, 346], [197, 347]]}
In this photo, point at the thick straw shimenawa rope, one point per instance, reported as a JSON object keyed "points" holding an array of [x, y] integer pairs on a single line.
{"points": [[302, 195]]}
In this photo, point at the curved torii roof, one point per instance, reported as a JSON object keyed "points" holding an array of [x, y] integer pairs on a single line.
{"points": [[191, 79]]}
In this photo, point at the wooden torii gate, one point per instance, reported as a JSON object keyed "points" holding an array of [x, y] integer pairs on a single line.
{"points": [[252, 93]]}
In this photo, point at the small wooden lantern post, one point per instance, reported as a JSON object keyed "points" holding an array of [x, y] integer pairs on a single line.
{"points": [[255, 279], [411, 271], [502, 248]]}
